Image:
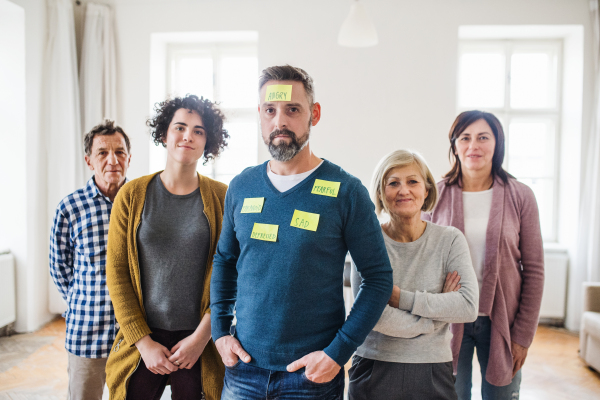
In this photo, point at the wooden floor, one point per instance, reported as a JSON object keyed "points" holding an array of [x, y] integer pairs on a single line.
{"points": [[34, 365]]}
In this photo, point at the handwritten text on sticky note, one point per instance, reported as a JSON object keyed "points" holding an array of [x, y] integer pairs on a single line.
{"points": [[253, 205], [279, 93], [326, 188], [265, 232], [305, 220]]}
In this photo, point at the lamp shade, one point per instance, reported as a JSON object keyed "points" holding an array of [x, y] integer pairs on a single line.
{"points": [[358, 29]]}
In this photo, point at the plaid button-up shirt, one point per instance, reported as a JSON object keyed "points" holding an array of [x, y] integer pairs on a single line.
{"points": [[78, 243]]}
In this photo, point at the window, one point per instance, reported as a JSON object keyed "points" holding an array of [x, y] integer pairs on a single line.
{"points": [[226, 73], [519, 82]]}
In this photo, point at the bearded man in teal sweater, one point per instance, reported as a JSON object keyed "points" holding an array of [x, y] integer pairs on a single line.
{"points": [[287, 228]]}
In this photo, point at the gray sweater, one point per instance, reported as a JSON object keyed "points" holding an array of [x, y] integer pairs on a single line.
{"points": [[418, 331]]}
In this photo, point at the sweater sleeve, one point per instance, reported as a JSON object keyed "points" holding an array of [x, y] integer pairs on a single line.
{"points": [[532, 263], [364, 240], [223, 284], [395, 322], [118, 278], [454, 307]]}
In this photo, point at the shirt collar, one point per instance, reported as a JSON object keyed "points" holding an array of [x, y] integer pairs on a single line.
{"points": [[92, 190]]}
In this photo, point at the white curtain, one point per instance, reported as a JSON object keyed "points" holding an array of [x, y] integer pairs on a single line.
{"points": [[97, 77], [587, 264], [62, 123]]}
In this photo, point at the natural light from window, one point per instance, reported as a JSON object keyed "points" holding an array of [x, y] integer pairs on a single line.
{"points": [[518, 81], [226, 72]]}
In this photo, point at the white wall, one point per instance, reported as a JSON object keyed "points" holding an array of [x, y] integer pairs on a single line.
{"points": [[400, 93], [13, 233], [29, 236]]}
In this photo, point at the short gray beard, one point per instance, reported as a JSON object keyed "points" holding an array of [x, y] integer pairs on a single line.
{"points": [[286, 151]]}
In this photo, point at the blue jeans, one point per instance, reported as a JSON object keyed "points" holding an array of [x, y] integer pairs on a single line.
{"points": [[247, 382], [477, 336]]}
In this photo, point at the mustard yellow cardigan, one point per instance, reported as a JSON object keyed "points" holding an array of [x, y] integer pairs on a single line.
{"points": [[125, 288]]}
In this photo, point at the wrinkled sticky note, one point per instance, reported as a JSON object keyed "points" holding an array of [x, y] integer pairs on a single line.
{"points": [[326, 188], [266, 232], [305, 220], [253, 205], [279, 93]]}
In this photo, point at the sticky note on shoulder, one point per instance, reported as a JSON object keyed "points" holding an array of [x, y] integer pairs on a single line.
{"points": [[279, 93], [253, 205], [266, 232], [305, 220], [326, 188]]}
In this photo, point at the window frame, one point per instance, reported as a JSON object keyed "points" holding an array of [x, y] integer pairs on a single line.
{"points": [[506, 113], [217, 51]]}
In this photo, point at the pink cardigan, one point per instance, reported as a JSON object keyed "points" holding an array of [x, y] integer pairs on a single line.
{"points": [[513, 275]]}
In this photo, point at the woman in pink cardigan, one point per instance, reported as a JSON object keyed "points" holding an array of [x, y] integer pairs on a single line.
{"points": [[499, 217]]}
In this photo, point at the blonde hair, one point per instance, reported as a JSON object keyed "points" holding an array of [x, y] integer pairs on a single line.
{"points": [[402, 158]]}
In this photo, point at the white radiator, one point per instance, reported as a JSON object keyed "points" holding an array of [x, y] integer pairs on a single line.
{"points": [[7, 290], [555, 284]]}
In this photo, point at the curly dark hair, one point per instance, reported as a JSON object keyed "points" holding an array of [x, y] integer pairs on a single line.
{"points": [[212, 118]]}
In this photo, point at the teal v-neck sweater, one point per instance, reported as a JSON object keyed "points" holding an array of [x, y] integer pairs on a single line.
{"points": [[287, 293]]}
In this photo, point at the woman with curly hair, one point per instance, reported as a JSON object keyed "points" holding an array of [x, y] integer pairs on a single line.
{"points": [[162, 237]]}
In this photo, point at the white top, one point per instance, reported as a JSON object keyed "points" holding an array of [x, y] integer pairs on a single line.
{"points": [[286, 182], [476, 210]]}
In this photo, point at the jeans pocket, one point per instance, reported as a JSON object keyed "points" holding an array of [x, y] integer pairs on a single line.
{"points": [[305, 378], [234, 366]]}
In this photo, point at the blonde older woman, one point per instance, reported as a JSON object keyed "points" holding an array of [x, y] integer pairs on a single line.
{"points": [[407, 355]]}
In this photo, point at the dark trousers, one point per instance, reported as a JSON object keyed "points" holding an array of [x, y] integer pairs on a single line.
{"points": [[185, 383], [381, 380]]}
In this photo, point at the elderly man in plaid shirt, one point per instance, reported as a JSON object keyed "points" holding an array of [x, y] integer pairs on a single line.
{"points": [[78, 260]]}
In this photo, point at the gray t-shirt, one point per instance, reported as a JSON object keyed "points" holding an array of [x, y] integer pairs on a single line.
{"points": [[417, 331], [173, 242]]}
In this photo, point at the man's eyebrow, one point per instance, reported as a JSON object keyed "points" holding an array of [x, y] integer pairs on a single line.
{"points": [[288, 104], [106, 148]]}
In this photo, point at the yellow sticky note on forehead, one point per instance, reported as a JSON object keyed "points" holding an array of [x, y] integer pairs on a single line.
{"points": [[266, 232], [253, 205], [305, 220], [326, 188], [279, 93]]}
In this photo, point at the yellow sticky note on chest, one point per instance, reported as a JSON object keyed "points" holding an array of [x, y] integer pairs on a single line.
{"points": [[326, 188], [305, 220], [253, 205], [279, 93], [266, 232]]}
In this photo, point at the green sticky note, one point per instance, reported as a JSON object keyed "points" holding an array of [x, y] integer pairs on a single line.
{"points": [[266, 232], [253, 205], [305, 220], [279, 93], [326, 188]]}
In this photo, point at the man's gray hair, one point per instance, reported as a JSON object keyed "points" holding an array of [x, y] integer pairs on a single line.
{"points": [[288, 73], [108, 127]]}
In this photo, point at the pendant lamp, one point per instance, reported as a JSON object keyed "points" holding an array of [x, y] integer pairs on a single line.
{"points": [[358, 29]]}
